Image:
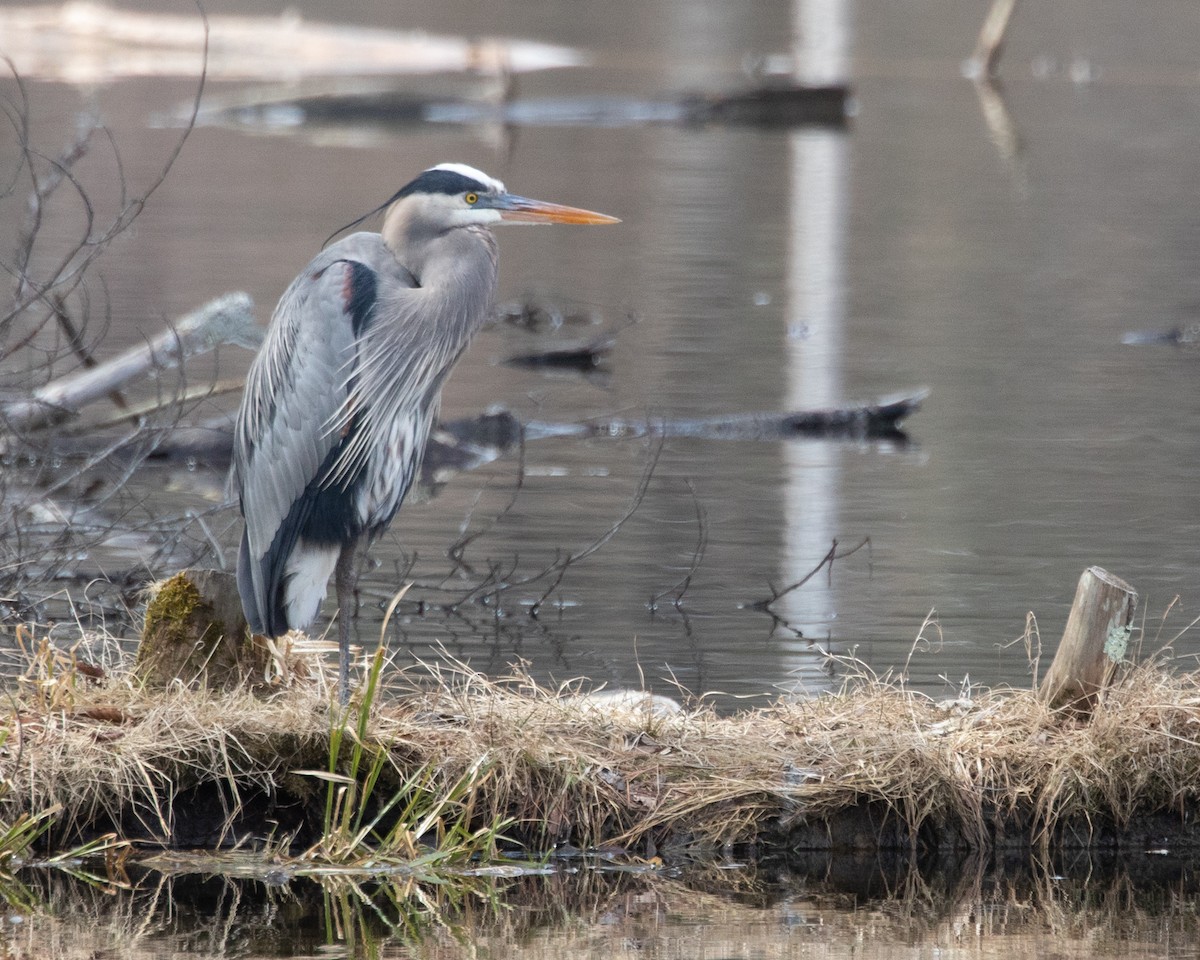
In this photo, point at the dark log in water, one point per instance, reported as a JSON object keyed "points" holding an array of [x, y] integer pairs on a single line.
{"points": [[473, 441], [576, 355], [1187, 335], [769, 105], [777, 105], [869, 421]]}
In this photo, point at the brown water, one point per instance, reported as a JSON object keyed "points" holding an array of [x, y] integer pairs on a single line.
{"points": [[756, 269]]}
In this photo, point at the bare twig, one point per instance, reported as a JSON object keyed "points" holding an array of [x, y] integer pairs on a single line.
{"points": [[457, 550], [48, 316], [826, 562], [635, 502], [74, 264], [681, 586]]}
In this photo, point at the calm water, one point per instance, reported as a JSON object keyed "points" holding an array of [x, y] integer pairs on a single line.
{"points": [[617, 913], [757, 270]]}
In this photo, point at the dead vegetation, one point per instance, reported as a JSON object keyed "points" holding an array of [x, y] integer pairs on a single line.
{"points": [[874, 765]]}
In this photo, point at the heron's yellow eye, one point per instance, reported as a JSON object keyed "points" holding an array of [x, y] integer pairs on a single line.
{"points": [[472, 198]]}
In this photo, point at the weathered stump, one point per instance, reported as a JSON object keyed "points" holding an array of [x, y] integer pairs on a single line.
{"points": [[195, 632], [1093, 643]]}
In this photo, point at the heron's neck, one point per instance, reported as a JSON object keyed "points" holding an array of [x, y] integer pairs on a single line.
{"points": [[425, 250], [455, 270]]}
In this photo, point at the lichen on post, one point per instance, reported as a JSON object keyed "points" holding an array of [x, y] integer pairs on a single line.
{"points": [[1093, 642]]}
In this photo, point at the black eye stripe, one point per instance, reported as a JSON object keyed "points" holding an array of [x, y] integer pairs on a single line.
{"points": [[442, 181]]}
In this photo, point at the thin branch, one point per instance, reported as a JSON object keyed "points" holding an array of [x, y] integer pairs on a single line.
{"points": [[826, 562], [681, 586]]}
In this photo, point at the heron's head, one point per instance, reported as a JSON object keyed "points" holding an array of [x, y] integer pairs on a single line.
{"points": [[453, 195]]}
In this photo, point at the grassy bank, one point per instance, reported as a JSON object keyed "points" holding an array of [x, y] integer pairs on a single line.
{"points": [[872, 765]]}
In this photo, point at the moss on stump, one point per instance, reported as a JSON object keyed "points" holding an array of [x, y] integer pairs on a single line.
{"points": [[195, 633]]}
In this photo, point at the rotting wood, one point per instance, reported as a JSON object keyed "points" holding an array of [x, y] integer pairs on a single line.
{"points": [[773, 106], [881, 419], [227, 319], [468, 442], [195, 632], [1093, 642]]}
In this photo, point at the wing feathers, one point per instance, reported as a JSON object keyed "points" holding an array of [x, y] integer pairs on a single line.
{"points": [[339, 403], [296, 389]]}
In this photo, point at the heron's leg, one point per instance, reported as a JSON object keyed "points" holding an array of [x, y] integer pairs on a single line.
{"points": [[343, 582]]}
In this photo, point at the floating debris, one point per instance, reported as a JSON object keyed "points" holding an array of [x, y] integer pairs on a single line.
{"points": [[880, 420], [1187, 335], [577, 355]]}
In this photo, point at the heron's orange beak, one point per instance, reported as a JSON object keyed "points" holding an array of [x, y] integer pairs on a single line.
{"points": [[523, 210]]}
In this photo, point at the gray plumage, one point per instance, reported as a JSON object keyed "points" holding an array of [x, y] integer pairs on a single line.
{"points": [[340, 400]]}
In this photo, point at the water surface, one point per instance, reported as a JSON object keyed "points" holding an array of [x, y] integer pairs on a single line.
{"points": [[756, 269]]}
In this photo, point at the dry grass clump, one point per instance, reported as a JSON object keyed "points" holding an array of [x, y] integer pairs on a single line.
{"points": [[971, 770], [131, 763], [1000, 761], [563, 766], [110, 753]]}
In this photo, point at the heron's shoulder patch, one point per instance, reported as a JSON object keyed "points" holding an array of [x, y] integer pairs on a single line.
{"points": [[360, 294]]}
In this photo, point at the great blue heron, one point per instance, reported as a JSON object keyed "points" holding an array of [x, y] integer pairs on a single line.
{"points": [[340, 399]]}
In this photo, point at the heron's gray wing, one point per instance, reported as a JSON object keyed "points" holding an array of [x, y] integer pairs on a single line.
{"points": [[295, 389]]}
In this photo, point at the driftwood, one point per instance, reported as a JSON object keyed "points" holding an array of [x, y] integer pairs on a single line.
{"points": [[1093, 642], [879, 420], [228, 319], [576, 355], [773, 106], [86, 42], [1187, 335]]}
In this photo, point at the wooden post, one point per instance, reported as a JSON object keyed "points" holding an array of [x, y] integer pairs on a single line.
{"points": [[1093, 642]]}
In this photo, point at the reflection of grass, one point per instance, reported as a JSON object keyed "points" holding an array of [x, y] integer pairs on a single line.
{"points": [[618, 916], [17, 840], [19, 835], [361, 914]]}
